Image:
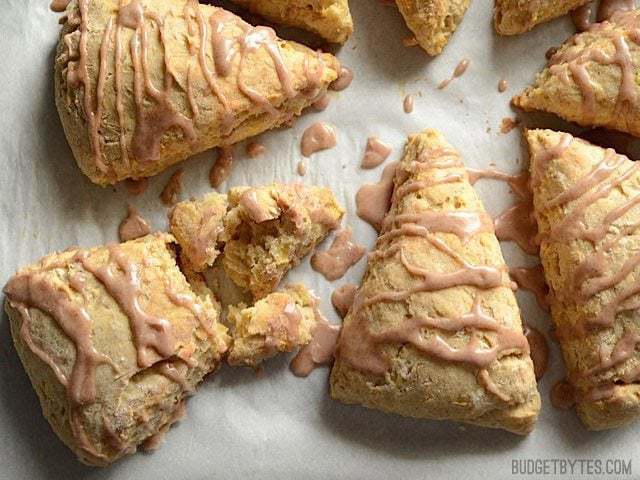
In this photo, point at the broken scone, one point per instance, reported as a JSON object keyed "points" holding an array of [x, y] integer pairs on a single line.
{"points": [[141, 85], [435, 331], [113, 339], [270, 229], [433, 21], [513, 17], [330, 19], [197, 225], [282, 321], [591, 79], [587, 204]]}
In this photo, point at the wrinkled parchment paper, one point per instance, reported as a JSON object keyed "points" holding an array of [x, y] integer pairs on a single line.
{"points": [[239, 425]]}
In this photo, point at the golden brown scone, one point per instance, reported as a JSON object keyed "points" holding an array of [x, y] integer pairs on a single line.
{"points": [[281, 322], [433, 21], [270, 229], [331, 19], [591, 79], [113, 339], [165, 79], [587, 204], [197, 225], [513, 17], [435, 330]]}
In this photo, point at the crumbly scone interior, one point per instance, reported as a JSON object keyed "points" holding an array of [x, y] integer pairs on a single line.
{"points": [[433, 21], [197, 225], [330, 19], [113, 339], [147, 84], [587, 204], [512, 17], [435, 330], [270, 229], [282, 321], [591, 79]]}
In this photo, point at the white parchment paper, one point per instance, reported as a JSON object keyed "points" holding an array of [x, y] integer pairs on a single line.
{"points": [[240, 426]]}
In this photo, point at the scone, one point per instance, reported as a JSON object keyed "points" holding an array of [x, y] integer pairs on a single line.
{"points": [[113, 339], [435, 331], [587, 204], [433, 21], [197, 225], [270, 229], [148, 84], [330, 19], [282, 321], [591, 79], [513, 17]]}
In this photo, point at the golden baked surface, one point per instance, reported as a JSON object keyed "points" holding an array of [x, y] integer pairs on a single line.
{"points": [[270, 229], [197, 225], [144, 86], [587, 204], [433, 21], [435, 330], [113, 339], [331, 19], [282, 321], [592, 78], [513, 17]]}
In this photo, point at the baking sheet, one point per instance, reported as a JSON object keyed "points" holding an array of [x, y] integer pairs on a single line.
{"points": [[240, 425]]}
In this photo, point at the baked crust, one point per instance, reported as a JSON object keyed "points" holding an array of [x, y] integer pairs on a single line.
{"points": [[106, 383], [282, 321], [433, 21], [591, 79], [331, 19], [586, 203], [197, 226], [159, 93], [409, 342], [270, 229], [513, 17]]}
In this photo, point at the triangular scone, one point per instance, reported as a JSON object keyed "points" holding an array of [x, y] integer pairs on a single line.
{"points": [[330, 19], [587, 204], [282, 321], [197, 225], [513, 17], [433, 21], [146, 85], [270, 229], [435, 331], [113, 339], [591, 79]]}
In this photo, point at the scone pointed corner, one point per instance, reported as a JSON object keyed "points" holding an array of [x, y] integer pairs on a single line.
{"points": [[433, 22], [513, 17], [591, 79], [123, 121], [329, 19]]}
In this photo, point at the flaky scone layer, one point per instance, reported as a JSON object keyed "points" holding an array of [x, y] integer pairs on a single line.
{"points": [[435, 330], [587, 204], [270, 229], [592, 78], [282, 321], [331, 19], [113, 340], [143, 86], [433, 21], [513, 17]]}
